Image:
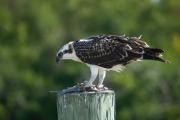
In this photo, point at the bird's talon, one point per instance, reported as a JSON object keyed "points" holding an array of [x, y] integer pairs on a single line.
{"points": [[100, 86]]}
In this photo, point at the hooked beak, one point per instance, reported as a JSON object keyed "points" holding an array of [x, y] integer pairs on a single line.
{"points": [[57, 59]]}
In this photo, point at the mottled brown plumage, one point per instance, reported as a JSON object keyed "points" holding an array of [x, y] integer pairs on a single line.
{"points": [[110, 50]]}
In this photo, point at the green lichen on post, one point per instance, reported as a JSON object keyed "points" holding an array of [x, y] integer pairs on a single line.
{"points": [[86, 106]]}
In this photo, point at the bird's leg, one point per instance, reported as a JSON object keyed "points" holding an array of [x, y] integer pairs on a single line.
{"points": [[102, 75], [94, 73]]}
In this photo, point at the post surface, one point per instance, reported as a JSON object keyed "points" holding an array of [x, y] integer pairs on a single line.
{"points": [[86, 106]]}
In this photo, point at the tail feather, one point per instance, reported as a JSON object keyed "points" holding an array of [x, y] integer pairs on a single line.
{"points": [[153, 50], [153, 54]]}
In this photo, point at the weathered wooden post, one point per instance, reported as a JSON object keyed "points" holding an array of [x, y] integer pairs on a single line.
{"points": [[86, 106]]}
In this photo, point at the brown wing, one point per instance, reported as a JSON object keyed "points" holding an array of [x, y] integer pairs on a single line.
{"points": [[107, 51]]}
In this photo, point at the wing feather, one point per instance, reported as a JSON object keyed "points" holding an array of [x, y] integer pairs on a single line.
{"points": [[107, 51]]}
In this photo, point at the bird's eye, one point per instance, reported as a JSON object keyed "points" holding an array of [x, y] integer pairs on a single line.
{"points": [[68, 51], [65, 51], [60, 54]]}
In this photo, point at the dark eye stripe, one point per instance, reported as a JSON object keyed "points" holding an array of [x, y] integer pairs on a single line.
{"points": [[60, 54], [68, 51]]}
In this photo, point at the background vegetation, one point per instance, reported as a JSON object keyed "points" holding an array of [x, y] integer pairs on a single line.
{"points": [[31, 32]]}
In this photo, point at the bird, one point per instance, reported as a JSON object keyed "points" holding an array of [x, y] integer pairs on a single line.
{"points": [[103, 53]]}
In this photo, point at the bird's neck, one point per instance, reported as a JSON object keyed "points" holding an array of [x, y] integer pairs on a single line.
{"points": [[71, 57]]}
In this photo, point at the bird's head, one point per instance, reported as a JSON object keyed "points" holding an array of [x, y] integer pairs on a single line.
{"points": [[65, 52]]}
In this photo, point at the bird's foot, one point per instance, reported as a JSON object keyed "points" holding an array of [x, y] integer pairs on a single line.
{"points": [[82, 87], [87, 86], [90, 88], [101, 87], [97, 88]]}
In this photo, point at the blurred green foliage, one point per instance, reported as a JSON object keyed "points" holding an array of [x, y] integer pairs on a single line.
{"points": [[32, 31]]}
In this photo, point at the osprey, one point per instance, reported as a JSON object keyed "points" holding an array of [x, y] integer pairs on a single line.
{"points": [[103, 53]]}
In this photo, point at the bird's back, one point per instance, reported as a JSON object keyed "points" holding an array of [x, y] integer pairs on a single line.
{"points": [[109, 50]]}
